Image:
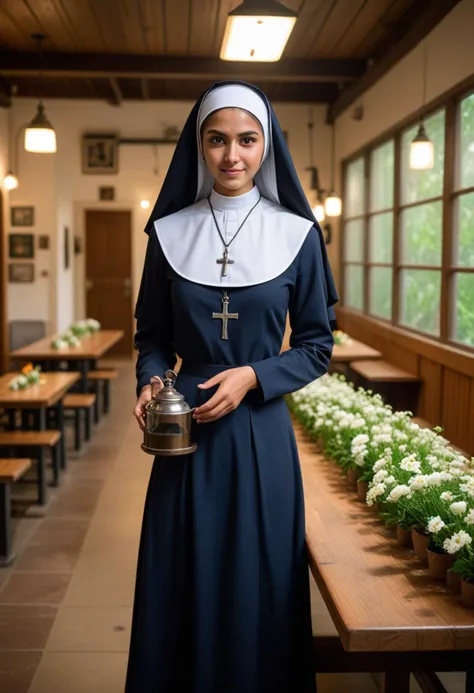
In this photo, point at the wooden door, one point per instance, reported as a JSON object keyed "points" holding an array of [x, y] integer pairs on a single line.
{"points": [[3, 295], [108, 274]]}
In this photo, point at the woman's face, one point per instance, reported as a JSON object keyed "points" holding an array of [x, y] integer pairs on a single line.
{"points": [[233, 145]]}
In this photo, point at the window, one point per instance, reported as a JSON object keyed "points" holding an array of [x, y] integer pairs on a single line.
{"points": [[354, 235], [381, 230], [408, 244], [462, 289]]}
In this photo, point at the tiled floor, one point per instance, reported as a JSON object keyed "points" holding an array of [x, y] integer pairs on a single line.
{"points": [[65, 604]]}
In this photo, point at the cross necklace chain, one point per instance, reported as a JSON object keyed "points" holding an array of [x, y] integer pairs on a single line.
{"points": [[224, 261]]}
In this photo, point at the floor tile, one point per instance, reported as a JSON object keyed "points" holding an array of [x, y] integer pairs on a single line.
{"points": [[80, 673], [25, 627], [17, 670], [107, 588], [35, 588], [91, 629]]}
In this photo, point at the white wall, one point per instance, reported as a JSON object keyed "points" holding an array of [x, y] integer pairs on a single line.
{"points": [[450, 60], [61, 193]]}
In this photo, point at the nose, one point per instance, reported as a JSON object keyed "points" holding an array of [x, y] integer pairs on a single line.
{"points": [[231, 155]]}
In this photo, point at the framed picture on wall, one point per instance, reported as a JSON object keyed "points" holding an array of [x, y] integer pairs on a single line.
{"points": [[22, 216], [43, 242], [107, 192], [100, 153], [21, 245], [21, 272]]}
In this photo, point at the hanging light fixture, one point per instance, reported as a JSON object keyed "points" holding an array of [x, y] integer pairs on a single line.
{"points": [[421, 148], [40, 136], [333, 203], [257, 30]]}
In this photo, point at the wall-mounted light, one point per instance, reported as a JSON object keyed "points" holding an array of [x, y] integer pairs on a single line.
{"points": [[10, 182], [145, 204], [318, 208], [257, 30]]}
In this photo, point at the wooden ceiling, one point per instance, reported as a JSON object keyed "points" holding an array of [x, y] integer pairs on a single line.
{"points": [[168, 49]]}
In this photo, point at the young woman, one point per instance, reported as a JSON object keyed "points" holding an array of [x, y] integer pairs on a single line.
{"points": [[222, 594]]}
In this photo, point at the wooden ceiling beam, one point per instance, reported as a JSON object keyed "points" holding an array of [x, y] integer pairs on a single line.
{"points": [[405, 37], [84, 65]]}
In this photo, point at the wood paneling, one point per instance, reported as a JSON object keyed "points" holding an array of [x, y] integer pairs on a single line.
{"points": [[447, 397]]}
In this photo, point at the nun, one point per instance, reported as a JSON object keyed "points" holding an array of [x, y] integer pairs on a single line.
{"points": [[222, 592]]}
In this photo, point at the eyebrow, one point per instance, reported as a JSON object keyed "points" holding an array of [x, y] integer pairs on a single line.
{"points": [[241, 134]]}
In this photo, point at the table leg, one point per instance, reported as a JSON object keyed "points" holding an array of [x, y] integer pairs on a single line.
{"points": [[42, 419], [41, 476], [396, 682], [470, 681], [6, 554], [84, 368]]}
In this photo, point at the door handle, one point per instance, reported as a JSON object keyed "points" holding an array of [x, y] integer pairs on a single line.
{"points": [[89, 284]]}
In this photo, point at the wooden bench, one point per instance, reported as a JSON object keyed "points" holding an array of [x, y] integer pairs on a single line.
{"points": [[397, 387], [10, 471], [104, 376], [39, 440], [80, 403], [390, 616]]}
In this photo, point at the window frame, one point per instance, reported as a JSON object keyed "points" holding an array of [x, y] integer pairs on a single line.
{"points": [[450, 102]]}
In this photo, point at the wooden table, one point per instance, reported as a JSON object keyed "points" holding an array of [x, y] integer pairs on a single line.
{"points": [[355, 351], [91, 348], [389, 614]]}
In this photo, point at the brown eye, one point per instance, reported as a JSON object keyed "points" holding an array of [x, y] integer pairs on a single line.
{"points": [[215, 139], [248, 140]]}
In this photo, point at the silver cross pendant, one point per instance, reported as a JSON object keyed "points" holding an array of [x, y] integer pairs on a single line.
{"points": [[224, 261], [225, 316]]}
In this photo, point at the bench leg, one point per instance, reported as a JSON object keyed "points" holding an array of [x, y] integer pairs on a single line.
{"points": [[106, 387], [396, 682], [56, 459], [96, 404], [6, 553], [61, 427], [87, 423], [42, 476], [77, 429], [470, 681]]}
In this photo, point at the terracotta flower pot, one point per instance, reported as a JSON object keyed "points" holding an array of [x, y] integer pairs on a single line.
{"points": [[362, 489], [352, 476], [439, 564], [404, 536], [453, 580], [420, 543], [467, 593]]}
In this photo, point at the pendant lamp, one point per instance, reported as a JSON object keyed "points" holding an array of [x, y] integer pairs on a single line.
{"points": [[421, 148], [40, 136], [333, 203], [10, 182], [257, 31]]}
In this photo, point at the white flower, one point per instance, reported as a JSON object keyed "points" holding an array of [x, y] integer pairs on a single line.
{"points": [[436, 524], [361, 439], [390, 479], [402, 448], [379, 465], [458, 508], [374, 492], [418, 482], [446, 496], [410, 464], [457, 541], [397, 492], [469, 519], [380, 476]]}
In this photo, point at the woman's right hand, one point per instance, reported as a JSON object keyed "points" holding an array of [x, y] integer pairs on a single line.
{"points": [[156, 384]]}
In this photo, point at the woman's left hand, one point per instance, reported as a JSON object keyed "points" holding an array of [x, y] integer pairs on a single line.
{"points": [[233, 386]]}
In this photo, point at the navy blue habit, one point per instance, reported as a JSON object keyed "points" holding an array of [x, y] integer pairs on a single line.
{"points": [[222, 593]]}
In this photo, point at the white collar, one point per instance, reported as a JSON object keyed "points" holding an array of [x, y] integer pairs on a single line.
{"points": [[223, 203], [269, 242]]}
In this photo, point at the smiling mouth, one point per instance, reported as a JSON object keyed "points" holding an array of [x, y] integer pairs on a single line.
{"points": [[232, 170]]}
